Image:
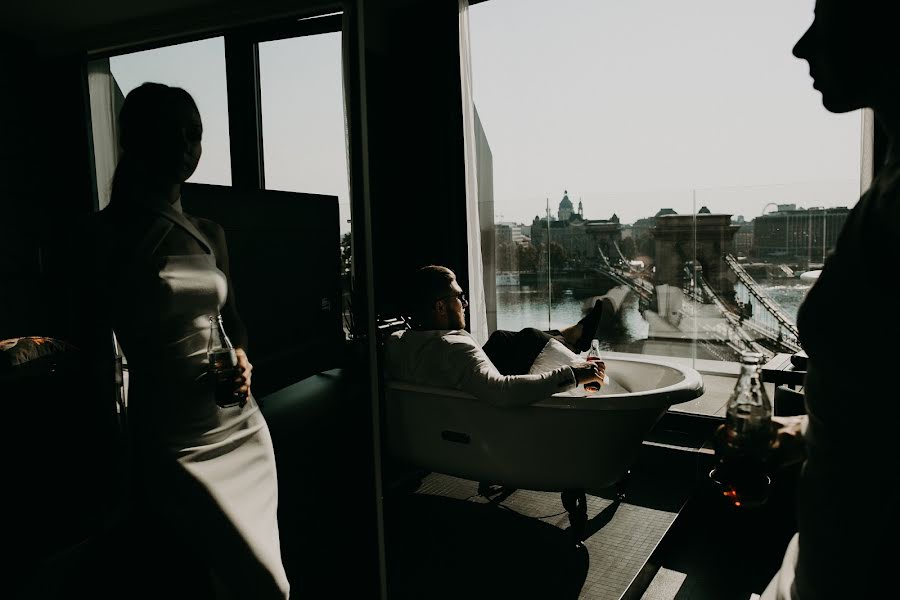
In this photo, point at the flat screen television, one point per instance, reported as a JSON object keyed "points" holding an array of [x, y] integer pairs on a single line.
{"points": [[284, 254]]}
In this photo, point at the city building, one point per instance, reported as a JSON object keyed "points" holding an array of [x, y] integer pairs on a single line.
{"points": [[743, 239], [793, 234], [512, 233], [582, 239], [503, 233], [565, 207]]}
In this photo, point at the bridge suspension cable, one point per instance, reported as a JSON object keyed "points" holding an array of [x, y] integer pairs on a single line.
{"points": [[603, 256], [783, 320], [732, 319], [639, 286], [621, 254]]}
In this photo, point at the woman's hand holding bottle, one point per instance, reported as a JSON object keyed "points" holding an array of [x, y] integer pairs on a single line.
{"points": [[243, 373], [229, 367]]}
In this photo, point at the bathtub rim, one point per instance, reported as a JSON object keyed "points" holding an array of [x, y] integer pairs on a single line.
{"points": [[689, 388]]}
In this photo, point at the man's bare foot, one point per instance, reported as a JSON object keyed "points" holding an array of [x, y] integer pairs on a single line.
{"points": [[577, 337], [588, 326], [571, 335]]}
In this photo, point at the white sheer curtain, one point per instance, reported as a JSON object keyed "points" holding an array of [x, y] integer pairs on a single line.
{"points": [[485, 170], [477, 308], [106, 100], [867, 150]]}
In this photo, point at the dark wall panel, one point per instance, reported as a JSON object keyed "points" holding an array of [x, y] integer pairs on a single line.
{"points": [[416, 153], [284, 250], [45, 183]]}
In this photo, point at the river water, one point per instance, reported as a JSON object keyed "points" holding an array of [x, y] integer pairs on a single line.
{"points": [[527, 306], [788, 293]]}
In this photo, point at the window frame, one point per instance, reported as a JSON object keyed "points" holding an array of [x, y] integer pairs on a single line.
{"points": [[242, 81]]}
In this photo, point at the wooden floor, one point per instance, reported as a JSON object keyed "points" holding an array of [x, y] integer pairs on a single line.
{"points": [[717, 552], [444, 540]]}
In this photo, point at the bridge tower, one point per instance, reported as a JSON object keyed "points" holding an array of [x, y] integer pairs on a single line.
{"points": [[674, 239]]}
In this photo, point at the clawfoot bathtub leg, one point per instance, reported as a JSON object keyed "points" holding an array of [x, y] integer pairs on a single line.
{"points": [[575, 504], [621, 485]]}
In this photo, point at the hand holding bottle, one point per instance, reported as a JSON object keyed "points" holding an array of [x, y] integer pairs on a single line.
{"points": [[244, 370], [229, 368], [589, 373], [744, 443], [593, 356], [787, 448]]}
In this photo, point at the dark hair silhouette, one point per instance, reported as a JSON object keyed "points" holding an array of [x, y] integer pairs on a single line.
{"points": [[151, 124], [426, 286]]}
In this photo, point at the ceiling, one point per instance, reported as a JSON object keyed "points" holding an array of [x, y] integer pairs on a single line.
{"points": [[103, 25]]}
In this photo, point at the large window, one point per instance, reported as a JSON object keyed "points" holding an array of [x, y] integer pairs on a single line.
{"points": [[303, 126], [304, 141], [301, 108], [300, 119], [671, 155]]}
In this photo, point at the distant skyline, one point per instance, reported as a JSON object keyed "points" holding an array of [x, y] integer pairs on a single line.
{"points": [[718, 201], [637, 105]]}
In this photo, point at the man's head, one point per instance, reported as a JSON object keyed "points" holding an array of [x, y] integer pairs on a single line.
{"points": [[437, 301]]}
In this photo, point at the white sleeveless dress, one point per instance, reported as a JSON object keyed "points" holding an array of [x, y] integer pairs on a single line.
{"points": [[209, 470]]}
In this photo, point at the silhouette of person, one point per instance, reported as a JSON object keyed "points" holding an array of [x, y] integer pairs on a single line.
{"points": [[439, 352], [848, 492], [204, 472]]}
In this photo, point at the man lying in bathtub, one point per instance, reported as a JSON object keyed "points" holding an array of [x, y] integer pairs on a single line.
{"points": [[508, 371]]}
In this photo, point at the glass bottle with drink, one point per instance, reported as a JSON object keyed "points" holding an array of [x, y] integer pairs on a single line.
{"points": [[223, 365], [593, 355], [740, 473]]}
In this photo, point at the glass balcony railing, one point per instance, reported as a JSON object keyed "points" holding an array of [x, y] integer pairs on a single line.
{"points": [[688, 282]]}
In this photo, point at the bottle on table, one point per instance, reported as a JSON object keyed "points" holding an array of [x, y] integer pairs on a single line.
{"points": [[741, 473], [593, 355], [223, 365]]}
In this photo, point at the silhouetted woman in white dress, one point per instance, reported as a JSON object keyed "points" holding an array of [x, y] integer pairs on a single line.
{"points": [[207, 472]]}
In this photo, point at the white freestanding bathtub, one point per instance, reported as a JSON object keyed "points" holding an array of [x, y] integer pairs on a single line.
{"points": [[570, 441]]}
